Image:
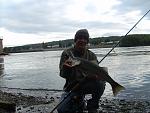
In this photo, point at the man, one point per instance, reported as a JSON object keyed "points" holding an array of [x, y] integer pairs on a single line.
{"points": [[74, 76]]}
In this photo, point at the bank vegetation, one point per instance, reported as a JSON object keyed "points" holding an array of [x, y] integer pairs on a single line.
{"points": [[97, 42]]}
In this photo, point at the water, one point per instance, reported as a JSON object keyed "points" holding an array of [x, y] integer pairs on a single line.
{"points": [[129, 66]]}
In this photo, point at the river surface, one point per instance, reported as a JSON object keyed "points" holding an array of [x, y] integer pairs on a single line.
{"points": [[129, 66]]}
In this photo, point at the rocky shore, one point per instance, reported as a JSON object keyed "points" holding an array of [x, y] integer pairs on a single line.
{"points": [[45, 101]]}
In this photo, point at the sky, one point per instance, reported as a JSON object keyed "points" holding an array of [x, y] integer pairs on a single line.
{"points": [[35, 21]]}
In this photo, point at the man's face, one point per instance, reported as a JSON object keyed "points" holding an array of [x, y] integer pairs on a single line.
{"points": [[81, 43]]}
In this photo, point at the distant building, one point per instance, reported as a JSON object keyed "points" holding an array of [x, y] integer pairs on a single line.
{"points": [[1, 46]]}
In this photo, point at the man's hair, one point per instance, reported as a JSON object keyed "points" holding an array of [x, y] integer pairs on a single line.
{"points": [[82, 33]]}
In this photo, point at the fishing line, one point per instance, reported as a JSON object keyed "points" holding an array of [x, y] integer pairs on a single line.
{"points": [[124, 36]]}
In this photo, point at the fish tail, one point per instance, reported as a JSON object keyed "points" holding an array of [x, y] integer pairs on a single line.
{"points": [[116, 88]]}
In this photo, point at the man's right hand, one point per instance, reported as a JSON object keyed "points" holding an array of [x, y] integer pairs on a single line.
{"points": [[68, 63]]}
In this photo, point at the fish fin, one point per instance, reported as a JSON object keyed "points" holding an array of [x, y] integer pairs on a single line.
{"points": [[116, 88]]}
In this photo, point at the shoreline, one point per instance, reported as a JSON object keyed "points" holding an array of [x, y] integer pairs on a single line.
{"points": [[55, 49], [45, 101]]}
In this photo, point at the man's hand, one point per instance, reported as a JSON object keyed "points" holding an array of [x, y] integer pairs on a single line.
{"points": [[68, 63]]}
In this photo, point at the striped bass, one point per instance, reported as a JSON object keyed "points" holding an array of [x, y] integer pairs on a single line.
{"points": [[94, 69]]}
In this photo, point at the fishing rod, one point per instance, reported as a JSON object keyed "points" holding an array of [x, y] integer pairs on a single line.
{"points": [[84, 79], [69, 93], [123, 37]]}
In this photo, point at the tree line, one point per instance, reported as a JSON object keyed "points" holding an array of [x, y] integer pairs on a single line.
{"points": [[136, 40], [128, 41]]}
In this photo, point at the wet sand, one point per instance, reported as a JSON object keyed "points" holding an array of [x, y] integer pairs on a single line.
{"points": [[45, 101]]}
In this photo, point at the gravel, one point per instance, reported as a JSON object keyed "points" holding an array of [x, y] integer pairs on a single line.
{"points": [[44, 104]]}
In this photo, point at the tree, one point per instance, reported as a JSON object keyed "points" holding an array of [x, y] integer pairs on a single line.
{"points": [[136, 40]]}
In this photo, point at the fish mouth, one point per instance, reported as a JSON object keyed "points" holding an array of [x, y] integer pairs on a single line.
{"points": [[75, 62], [72, 58]]}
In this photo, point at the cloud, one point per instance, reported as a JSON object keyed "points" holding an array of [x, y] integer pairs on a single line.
{"points": [[32, 16], [134, 5], [37, 16], [61, 18]]}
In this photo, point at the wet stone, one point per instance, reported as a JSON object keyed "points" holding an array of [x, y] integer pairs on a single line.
{"points": [[37, 104]]}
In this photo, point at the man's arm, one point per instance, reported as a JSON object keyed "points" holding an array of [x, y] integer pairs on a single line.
{"points": [[64, 67], [93, 59]]}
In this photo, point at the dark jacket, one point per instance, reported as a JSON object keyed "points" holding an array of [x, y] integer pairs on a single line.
{"points": [[72, 75]]}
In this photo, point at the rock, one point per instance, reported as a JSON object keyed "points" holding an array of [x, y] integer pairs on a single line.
{"points": [[18, 109], [52, 99], [7, 106], [32, 107]]}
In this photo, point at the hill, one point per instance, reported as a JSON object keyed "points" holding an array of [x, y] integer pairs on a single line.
{"points": [[128, 41]]}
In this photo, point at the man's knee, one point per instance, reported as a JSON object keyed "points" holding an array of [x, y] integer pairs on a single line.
{"points": [[68, 104], [100, 85]]}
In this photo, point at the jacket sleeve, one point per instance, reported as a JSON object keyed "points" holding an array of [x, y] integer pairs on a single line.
{"points": [[64, 71], [93, 58]]}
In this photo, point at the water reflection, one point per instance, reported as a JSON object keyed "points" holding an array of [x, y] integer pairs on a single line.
{"points": [[39, 70]]}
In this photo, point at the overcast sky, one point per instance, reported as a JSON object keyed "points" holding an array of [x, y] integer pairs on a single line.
{"points": [[36, 21]]}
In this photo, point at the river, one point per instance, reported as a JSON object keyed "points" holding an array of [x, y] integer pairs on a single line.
{"points": [[129, 66]]}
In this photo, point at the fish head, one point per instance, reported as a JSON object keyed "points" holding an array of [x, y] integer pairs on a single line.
{"points": [[74, 62]]}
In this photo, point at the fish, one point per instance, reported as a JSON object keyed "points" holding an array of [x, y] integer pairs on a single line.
{"points": [[94, 69]]}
